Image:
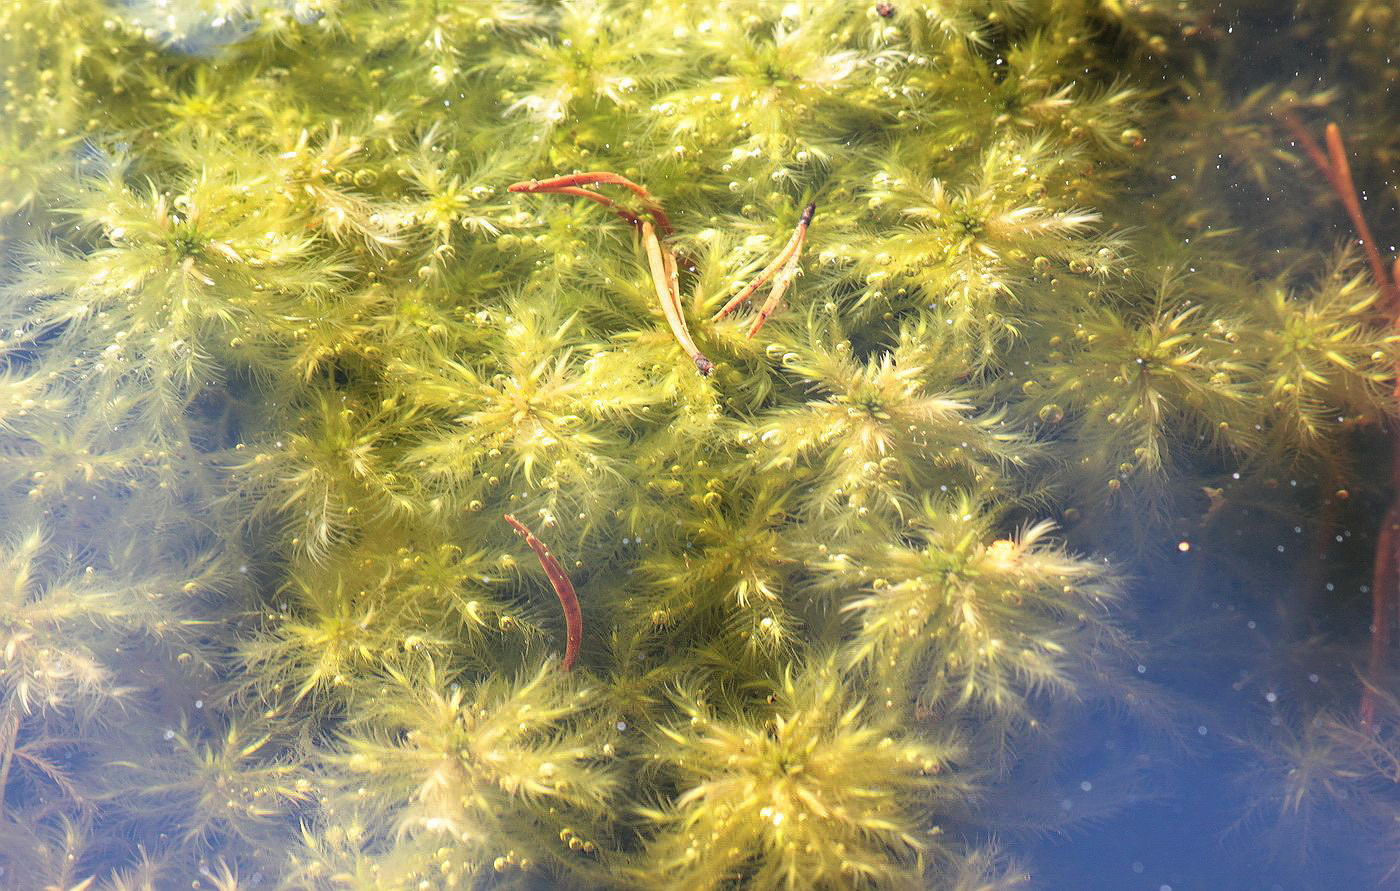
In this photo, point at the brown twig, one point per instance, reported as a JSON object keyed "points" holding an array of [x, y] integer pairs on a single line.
{"points": [[563, 588]]}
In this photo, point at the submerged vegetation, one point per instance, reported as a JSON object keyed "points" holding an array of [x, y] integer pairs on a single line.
{"points": [[949, 408]]}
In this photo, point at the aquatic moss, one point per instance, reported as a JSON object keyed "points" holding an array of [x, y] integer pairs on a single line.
{"points": [[281, 348]]}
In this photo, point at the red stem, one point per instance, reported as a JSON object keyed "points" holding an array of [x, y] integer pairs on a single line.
{"points": [[1310, 146], [1346, 190], [793, 244], [1384, 583], [569, 185], [573, 616], [785, 275], [626, 215], [597, 177], [1385, 575]]}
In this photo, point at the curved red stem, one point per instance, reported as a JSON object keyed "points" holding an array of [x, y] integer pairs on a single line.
{"points": [[626, 215], [571, 185], [573, 616]]}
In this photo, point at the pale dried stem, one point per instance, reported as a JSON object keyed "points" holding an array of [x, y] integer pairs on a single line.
{"points": [[664, 278]]}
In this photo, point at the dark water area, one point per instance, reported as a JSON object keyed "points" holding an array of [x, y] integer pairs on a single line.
{"points": [[943, 444]]}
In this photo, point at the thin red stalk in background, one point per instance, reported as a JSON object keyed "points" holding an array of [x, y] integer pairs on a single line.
{"points": [[1337, 170], [573, 616], [1385, 576], [1383, 596]]}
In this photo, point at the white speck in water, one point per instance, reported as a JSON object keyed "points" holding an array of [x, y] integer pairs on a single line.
{"points": [[1313, 679], [169, 734], [1086, 786], [1202, 730], [621, 725], [1142, 669], [1271, 696], [199, 703], [1138, 867]]}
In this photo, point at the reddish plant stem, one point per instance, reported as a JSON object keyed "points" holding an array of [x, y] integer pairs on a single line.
{"points": [[592, 178], [1384, 584], [563, 588], [663, 259], [1385, 575], [1335, 167], [786, 274], [571, 183], [789, 251], [1346, 190], [626, 215]]}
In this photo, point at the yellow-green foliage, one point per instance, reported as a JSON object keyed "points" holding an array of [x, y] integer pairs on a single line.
{"points": [[816, 791], [279, 348], [456, 771], [961, 618]]}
